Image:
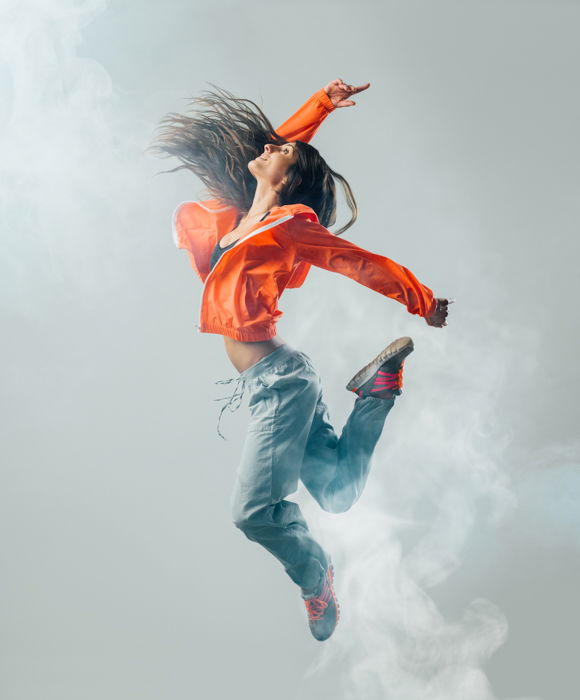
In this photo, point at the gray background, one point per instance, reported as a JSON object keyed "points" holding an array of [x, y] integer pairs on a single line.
{"points": [[457, 571]]}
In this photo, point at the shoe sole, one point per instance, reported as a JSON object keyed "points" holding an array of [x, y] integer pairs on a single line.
{"points": [[401, 345], [334, 598], [333, 595]]}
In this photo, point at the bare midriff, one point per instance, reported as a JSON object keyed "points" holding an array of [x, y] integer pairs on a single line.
{"points": [[244, 355]]}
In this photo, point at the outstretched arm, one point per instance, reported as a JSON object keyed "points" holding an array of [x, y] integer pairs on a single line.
{"points": [[315, 244], [305, 122]]}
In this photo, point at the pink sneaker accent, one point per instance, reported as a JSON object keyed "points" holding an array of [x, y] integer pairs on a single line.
{"points": [[383, 377]]}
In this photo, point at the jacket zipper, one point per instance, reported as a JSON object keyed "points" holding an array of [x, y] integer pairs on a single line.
{"points": [[241, 240]]}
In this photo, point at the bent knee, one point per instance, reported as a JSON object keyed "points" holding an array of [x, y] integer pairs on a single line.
{"points": [[243, 519], [337, 502], [240, 519], [333, 507]]}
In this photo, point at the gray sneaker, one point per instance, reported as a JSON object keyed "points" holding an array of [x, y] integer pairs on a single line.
{"points": [[323, 608], [383, 376]]}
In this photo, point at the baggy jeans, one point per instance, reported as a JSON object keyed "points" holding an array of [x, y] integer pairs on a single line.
{"points": [[289, 438]]}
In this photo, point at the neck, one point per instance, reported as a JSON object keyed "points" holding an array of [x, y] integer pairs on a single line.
{"points": [[265, 199]]}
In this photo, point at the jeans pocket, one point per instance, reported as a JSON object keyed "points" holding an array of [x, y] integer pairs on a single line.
{"points": [[263, 405], [272, 376], [266, 379], [305, 360]]}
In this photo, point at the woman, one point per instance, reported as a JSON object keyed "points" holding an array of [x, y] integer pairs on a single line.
{"points": [[273, 199]]}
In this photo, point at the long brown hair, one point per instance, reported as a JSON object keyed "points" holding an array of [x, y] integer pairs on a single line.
{"points": [[224, 134]]}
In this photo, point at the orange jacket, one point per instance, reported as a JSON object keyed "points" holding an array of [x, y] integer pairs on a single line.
{"points": [[241, 292]]}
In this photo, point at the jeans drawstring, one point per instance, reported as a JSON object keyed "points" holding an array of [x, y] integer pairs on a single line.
{"points": [[235, 399]]}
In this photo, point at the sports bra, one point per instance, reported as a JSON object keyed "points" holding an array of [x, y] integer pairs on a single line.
{"points": [[218, 251]]}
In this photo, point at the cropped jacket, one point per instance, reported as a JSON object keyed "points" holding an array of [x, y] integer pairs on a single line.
{"points": [[240, 294]]}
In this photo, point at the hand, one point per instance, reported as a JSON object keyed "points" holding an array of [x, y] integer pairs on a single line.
{"points": [[439, 316], [339, 92]]}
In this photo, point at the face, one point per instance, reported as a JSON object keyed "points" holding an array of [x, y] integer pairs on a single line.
{"points": [[273, 164]]}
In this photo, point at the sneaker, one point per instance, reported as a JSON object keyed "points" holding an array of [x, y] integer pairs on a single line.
{"points": [[383, 376], [323, 609]]}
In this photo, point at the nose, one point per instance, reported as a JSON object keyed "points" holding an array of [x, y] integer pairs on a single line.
{"points": [[268, 148]]}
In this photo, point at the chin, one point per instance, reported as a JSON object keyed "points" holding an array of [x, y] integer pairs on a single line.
{"points": [[251, 169]]}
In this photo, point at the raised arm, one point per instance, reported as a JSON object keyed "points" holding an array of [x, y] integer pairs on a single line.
{"points": [[304, 123], [315, 244]]}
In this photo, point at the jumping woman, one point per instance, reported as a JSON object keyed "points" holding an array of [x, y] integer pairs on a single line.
{"points": [[273, 199]]}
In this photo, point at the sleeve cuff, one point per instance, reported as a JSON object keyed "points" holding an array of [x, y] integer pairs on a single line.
{"points": [[324, 99]]}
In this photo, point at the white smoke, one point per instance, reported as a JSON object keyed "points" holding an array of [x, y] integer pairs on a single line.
{"points": [[75, 203], [440, 479], [69, 175]]}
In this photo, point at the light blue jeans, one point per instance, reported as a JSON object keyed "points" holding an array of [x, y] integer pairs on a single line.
{"points": [[289, 438]]}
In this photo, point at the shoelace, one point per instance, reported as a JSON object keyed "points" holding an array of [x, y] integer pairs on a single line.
{"points": [[388, 380], [234, 399], [315, 608]]}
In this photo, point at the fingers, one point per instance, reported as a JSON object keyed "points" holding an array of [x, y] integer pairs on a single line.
{"points": [[439, 317], [359, 88], [351, 88], [444, 308]]}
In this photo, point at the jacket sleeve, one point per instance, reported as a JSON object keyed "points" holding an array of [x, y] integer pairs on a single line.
{"points": [[315, 244], [196, 227], [304, 123]]}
